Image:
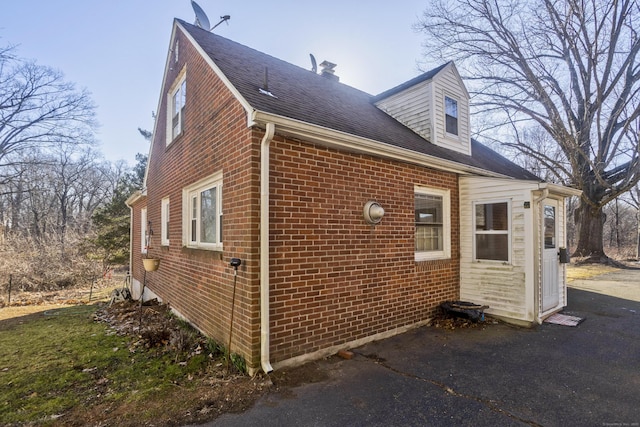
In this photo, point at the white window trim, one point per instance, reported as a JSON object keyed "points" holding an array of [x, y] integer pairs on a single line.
{"points": [[476, 232], [175, 87], [445, 253], [188, 193], [143, 231], [444, 115], [165, 207]]}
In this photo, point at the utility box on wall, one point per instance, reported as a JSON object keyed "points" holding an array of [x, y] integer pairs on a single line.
{"points": [[563, 255]]}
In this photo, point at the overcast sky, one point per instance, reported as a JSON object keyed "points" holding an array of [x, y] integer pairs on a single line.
{"points": [[117, 48]]}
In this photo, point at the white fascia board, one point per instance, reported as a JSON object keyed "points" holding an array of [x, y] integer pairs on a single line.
{"points": [[454, 69], [526, 184], [560, 189], [156, 121], [341, 140], [215, 69], [136, 196], [248, 108], [554, 189]]}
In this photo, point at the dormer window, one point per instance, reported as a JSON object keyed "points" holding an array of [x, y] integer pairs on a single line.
{"points": [[451, 115], [175, 111]]}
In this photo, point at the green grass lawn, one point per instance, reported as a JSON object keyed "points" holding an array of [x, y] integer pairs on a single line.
{"points": [[61, 367]]}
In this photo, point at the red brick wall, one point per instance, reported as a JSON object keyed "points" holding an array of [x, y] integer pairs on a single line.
{"points": [[199, 283], [334, 278]]}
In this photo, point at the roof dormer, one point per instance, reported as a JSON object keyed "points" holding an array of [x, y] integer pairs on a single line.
{"points": [[435, 105]]}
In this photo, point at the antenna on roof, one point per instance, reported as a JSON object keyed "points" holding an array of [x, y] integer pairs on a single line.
{"points": [[314, 64], [202, 20]]}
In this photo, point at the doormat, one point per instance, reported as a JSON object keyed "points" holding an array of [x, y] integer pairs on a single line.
{"points": [[563, 319]]}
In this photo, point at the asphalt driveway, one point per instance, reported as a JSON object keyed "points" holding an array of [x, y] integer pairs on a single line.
{"points": [[502, 375]]}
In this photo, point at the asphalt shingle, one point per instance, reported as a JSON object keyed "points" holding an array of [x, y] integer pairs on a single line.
{"points": [[303, 95]]}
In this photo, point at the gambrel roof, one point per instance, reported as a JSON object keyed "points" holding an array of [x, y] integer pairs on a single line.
{"points": [[304, 96]]}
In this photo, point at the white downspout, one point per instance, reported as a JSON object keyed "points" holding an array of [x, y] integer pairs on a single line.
{"points": [[129, 202], [264, 248], [130, 248]]}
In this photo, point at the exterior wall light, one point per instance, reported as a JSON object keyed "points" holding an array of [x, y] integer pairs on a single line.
{"points": [[373, 212]]}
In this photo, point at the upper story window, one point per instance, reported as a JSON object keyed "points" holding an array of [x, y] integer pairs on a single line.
{"points": [[164, 217], [202, 213], [175, 110], [492, 231], [432, 224], [451, 115]]}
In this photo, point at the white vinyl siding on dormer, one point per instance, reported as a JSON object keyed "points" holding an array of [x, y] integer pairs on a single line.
{"points": [[411, 107], [421, 108], [447, 84]]}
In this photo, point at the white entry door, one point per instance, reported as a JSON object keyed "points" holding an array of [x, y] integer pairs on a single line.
{"points": [[550, 262]]}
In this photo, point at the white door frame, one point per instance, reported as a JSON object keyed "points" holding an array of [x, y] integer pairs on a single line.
{"points": [[550, 244]]}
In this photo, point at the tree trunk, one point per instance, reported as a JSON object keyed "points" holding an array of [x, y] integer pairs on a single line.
{"points": [[590, 234], [638, 224], [618, 244]]}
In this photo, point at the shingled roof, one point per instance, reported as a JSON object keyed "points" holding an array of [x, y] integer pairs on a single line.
{"points": [[303, 95]]}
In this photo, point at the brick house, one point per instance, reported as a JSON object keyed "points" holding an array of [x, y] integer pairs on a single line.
{"points": [[354, 216]]}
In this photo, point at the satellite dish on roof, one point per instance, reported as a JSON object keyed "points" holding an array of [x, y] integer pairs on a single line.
{"points": [[202, 20]]}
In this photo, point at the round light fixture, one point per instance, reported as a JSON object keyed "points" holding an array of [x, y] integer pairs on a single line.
{"points": [[373, 212]]}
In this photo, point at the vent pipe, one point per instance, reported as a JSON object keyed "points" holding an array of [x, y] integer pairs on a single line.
{"points": [[328, 70]]}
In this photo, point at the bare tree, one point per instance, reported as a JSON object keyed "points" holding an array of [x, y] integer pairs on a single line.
{"points": [[570, 67], [39, 108], [621, 227]]}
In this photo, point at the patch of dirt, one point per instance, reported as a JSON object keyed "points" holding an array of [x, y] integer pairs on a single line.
{"points": [[69, 296], [150, 324], [449, 322], [21, 303]]}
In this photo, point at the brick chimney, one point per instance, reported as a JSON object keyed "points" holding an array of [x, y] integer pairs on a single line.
{"points": [[328, 70]]}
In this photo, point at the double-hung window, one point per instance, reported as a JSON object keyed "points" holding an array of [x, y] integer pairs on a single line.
{"points": [[451, 115], [164, 216], [144, 237], [177, 98], [202, 214], [492, 231], [432, 223]]}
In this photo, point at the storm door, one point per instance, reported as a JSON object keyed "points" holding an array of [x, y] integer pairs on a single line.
{"points": [[550, 263]]}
